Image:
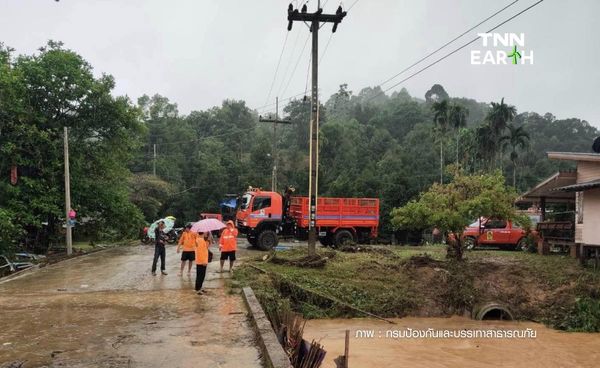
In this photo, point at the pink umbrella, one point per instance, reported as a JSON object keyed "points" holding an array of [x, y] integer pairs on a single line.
{"points": [[204, 226]]}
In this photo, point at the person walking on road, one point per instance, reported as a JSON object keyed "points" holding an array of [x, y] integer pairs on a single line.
{"points": [[228, 245], [187, 246], [159, 248], [202, 243]]}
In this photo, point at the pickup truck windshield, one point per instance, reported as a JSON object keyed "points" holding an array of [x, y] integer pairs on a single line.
{"points": [[246, 201]]}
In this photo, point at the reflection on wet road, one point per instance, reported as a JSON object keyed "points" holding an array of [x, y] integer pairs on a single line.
{"points": [[107, 310]]}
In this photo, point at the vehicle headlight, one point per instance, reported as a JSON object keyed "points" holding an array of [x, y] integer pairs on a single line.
{"points": [[244, 223]]}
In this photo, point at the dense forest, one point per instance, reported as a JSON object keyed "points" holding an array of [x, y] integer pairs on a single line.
{"points": [[135, 161]]}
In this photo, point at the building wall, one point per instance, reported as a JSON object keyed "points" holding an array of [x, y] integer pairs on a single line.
{"points": [[587, 171], [591, 217]]}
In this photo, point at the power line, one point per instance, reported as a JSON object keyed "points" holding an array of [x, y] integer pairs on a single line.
{"points": [[207, 137], [278, 64], [296, 66], [447, 43], [352, 6], [326, 47], [289, 64], [267, 106], [452, 53]]}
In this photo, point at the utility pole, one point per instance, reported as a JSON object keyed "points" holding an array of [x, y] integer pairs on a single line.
{"points": [[314, 20], [274, 150], [154, 160], [69, 238]]}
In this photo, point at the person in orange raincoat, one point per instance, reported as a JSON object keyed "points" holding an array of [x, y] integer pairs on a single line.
{"points": [[228, 245], [202, 243], [187, 244]]}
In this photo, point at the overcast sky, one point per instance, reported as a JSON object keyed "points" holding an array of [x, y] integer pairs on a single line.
{"points": [[199, 52]]}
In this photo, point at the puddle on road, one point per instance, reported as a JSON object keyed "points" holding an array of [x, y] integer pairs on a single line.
{"points": [[174, 328], [550, 348]]}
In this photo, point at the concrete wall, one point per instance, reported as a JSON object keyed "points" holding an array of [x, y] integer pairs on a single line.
{"points": [[591, 216]]}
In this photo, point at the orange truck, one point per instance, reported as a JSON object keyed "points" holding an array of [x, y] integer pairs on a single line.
{"points": [[495, 232], [265, 217]]}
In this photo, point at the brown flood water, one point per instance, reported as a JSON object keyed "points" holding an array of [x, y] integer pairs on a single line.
{"points": [[389, 348]]}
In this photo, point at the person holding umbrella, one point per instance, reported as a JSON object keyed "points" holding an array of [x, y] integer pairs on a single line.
{"points": [[202, 243], [187, 244], [159, 248], [228, 245]]}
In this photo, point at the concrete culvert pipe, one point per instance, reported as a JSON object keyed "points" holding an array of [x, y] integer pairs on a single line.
{"points": [[492, 311]]}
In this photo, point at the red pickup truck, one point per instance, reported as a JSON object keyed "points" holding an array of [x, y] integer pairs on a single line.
{"points": [[495, 232]]}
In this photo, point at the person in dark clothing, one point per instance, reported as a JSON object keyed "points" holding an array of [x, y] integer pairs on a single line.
{"points": [[159, 248], [202, 259]]}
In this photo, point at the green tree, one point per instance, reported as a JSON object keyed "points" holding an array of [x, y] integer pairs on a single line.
{"points": [[498, 117], [44, 93], [441, 120], [457, 117], [517, 138], [452, 207]]}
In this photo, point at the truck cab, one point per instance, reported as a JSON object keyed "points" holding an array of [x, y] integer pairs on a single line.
{"points": [[260, 216], [495, 232]]}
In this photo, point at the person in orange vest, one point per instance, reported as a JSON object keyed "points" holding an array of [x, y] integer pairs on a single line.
{"points": [[228, 245], [202, 243], [187, 246]]}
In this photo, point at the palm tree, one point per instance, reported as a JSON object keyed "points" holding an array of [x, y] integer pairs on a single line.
{"points": [[516, 138], [498, 117], [457, 116], [440, 118], [486, 144]]}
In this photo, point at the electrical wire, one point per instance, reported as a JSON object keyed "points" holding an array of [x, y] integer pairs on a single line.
{"points": [[289, 64], [446, 44], [277, 68], [451, 53], [296, 66]]}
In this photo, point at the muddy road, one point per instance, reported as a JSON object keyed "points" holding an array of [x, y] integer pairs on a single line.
{"points": [[107, 310]]}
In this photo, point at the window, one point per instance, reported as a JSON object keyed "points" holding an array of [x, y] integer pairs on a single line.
{"points": [[260, 203], [246, 201], [495, 224]]}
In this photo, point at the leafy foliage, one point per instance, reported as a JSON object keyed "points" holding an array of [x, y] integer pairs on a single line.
{"points": [[41, 94], [452, 207]]}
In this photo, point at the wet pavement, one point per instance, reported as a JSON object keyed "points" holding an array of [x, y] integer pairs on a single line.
{"points": [[106, 310]]}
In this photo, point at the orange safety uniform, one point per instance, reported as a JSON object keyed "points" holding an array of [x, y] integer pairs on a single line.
{"points": [[187, 241], [201, 251], [228, 240]]}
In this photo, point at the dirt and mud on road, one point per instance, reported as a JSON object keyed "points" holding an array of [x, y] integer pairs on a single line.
{"points": [[107, 310]]}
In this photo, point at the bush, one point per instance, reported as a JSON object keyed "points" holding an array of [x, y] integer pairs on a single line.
{"points": [[584, 316], [9, 231]]}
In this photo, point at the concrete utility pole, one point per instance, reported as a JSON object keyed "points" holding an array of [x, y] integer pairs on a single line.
{"points": [[69, 238], [314, 19], [274, 149], [154, 160]]}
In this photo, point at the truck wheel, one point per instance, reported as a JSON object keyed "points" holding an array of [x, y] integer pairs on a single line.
{"points": [[267, 240], [326, 241], [252, 240], [522, 245], [343, 237], [470, 243]]}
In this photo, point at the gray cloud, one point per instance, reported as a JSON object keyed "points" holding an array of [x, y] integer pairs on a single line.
{"points": [[198, 52]]}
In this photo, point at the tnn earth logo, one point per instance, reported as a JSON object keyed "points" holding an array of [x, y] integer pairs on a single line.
{"points": [[502, 49]]}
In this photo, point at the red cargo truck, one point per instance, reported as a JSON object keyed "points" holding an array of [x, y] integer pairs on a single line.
{"points": [[267, 216]]}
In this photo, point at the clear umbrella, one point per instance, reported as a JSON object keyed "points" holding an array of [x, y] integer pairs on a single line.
{"points": [[169, 223]]}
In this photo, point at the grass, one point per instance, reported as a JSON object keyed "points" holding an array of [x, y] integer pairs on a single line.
{"points": [[419, 281]]}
